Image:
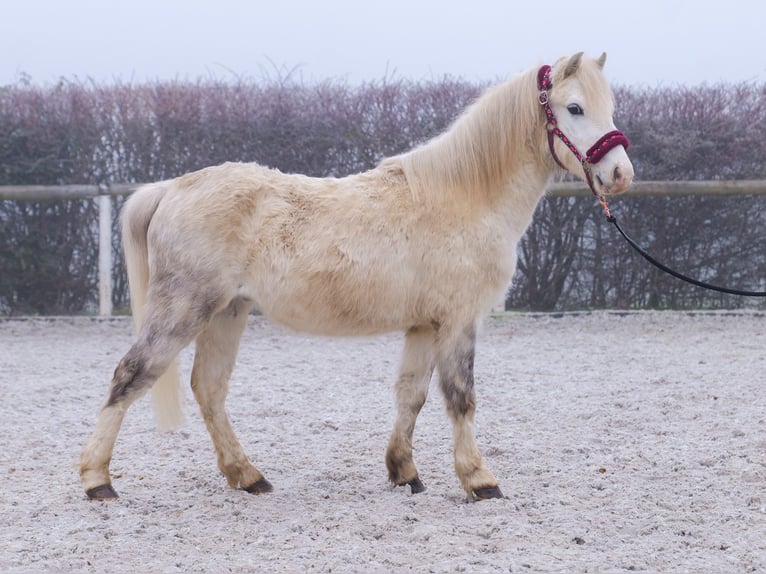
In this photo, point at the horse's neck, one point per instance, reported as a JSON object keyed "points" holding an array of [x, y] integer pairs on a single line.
{"points": [[516, 205], [493, 144]]}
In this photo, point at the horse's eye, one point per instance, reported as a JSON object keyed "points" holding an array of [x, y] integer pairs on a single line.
{"points": [[575, 110]]}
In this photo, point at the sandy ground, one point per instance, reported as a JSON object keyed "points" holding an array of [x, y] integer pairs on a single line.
{"points": [[623, 442]]}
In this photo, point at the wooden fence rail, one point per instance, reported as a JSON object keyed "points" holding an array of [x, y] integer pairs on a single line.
{"points": [[103, 195], [564, 189]]}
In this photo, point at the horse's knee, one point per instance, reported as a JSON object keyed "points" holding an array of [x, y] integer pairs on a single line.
{"points": [[459, 397], [457, 385], [456, 375]]}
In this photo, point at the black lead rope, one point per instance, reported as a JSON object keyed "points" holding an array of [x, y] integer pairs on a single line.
{"points": [[613, 220], [596, 153]]}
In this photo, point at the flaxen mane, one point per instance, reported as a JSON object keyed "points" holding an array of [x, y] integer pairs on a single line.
{"points": [[483, 147]]}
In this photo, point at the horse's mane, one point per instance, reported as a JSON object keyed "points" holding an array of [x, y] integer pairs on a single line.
{"points": [[483, 147]]}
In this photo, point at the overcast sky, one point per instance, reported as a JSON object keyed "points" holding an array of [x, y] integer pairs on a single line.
{"points": [[649, 42]]}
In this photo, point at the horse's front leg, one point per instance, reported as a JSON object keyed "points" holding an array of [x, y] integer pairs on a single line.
{"points": [[455, 365], [411, 392]]}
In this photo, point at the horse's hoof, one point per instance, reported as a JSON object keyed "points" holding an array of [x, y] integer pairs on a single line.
{"points": [[103, 492], [260, 487], [487, 493], [417, 486]]}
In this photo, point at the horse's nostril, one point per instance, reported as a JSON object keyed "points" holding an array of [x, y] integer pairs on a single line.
{"points": [[617, 174]]}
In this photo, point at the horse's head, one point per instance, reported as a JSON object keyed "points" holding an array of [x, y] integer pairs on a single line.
{"points": [[581, 132]]}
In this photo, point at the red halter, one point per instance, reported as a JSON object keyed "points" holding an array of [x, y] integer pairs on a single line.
{"points": [[597, 151]]}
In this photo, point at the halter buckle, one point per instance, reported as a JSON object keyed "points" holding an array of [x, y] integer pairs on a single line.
{"points": [[543, 98]]}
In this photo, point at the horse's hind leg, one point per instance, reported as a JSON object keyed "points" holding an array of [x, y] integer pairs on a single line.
{"points": [[216, 351], [411, 392], [169, 325], [455, 366]]}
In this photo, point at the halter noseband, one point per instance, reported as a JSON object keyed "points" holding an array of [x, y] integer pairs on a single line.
{"points": [[597, 151]]}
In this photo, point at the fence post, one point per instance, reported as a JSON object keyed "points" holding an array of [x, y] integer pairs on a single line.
{"points": [[105, 255]]}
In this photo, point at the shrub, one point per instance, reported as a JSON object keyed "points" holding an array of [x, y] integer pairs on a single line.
{"points": [[79, 132]]}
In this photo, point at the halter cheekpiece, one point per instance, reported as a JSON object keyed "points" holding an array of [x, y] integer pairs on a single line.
{"points": [[597, 151]]}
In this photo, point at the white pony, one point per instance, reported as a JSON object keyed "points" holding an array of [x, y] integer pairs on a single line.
{"points": [[425, 244]]}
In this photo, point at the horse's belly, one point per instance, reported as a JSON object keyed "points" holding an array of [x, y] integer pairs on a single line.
{"points": [[330, 319], [327, 303]]}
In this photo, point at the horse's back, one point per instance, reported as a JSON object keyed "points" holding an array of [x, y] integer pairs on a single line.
{"points": [[339, 256]]}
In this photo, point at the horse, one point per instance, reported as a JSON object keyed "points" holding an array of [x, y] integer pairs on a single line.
{"points": [[424, 243]]}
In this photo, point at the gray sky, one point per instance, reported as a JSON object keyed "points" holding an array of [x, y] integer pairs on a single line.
{"points": [[649, 42]]}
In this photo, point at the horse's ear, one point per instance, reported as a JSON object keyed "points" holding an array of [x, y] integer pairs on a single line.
{"points": [[573, 65], [601, 60]]}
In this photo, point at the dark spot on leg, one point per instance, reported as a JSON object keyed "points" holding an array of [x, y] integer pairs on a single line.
{"points": [[127, 376], [260, 487], [207, 305], [460, 398], [456, 375], [487, 493], [103, 492]]}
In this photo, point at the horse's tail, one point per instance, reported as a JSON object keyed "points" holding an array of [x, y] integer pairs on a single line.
{"points": [[136, 215]]}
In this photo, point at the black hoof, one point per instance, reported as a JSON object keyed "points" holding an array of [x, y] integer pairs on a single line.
{"points": [[261, 487], [417, 486], [103, 492], [487, 493]]}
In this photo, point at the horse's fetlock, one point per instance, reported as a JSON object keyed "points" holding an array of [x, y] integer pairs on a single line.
{"points": [[401, 467], [477, 478]]}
